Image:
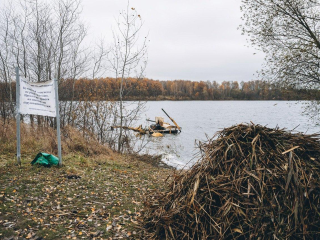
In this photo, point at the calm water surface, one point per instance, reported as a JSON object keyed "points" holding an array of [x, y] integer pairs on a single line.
{"points": [[201, 118]]}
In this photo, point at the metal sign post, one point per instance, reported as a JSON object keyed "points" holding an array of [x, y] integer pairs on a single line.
{"points": [[58, 121], [18, 114]]}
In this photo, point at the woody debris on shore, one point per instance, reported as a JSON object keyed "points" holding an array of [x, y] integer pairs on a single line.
{"points": [[251, 182]]}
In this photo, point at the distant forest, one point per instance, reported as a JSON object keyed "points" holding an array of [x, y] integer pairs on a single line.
{"points": [[148, 89]]}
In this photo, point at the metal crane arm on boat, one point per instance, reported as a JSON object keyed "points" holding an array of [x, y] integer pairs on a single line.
{"points": [[150, 120], [172, 120]]}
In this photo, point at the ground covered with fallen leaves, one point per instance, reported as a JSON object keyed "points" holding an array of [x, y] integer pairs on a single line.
{"points": [[88, 198]]}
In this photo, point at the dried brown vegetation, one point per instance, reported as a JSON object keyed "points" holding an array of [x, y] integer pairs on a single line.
{"points": [[252, 182], [37, 139]]}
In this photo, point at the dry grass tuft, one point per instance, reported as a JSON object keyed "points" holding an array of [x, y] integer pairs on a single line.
{"points": [[252, 182]]}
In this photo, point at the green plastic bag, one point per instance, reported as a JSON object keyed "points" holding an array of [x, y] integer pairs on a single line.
{"points": [[45, 159]]}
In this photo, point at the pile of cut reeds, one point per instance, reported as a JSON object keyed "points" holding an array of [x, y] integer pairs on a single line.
{"points": [[251, 182]]}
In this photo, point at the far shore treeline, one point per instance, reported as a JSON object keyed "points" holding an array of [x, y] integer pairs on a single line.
{"points": [[148, 89]]}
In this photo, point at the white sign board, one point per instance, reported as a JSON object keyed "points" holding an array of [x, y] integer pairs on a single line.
{"points": [[37, 98]]}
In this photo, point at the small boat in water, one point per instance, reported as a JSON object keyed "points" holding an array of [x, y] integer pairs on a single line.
{"points": [[162, 127]]}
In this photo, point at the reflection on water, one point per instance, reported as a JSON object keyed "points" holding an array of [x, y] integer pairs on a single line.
{"points": [[198, 118]]}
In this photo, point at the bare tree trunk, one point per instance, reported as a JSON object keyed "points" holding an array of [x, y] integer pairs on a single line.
{"points": [[126, 57]]}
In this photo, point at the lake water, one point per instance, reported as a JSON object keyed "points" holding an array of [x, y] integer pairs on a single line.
{"points": [[201, 118]]}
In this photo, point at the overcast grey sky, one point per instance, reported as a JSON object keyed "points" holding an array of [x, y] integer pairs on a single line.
{"points": [[189, 39]]}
